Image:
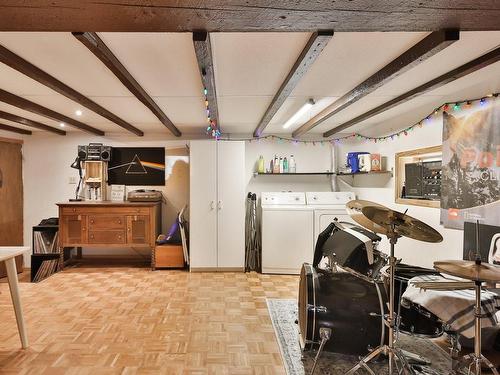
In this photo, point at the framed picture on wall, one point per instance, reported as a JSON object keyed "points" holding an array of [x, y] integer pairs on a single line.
{"points": [[137, 166]]}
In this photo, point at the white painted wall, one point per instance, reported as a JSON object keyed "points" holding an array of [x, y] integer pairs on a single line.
{"points": [[381, 190], [308, 158], [46, 169], [47, 159]]}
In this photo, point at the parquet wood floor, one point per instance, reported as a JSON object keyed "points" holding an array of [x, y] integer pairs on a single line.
{"points": [[126, 320]]}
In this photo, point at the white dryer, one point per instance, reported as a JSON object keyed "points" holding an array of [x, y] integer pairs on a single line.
{"points": [[328, 206], [287, 232]]}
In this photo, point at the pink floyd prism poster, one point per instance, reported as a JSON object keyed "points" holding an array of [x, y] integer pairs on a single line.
{"points": [[470, 187]]}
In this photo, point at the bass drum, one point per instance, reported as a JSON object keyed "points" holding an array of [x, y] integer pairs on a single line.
{"points": [[351, 306]]}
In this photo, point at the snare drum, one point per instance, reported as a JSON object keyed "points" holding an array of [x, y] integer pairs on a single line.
{"points": [[414, 319]]}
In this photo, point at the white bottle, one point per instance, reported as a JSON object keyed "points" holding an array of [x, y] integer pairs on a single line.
{"points": [[281, 165], [292, 167]]}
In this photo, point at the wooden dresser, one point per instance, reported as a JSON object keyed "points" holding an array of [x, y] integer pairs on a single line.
{"points": [[109, 224]]}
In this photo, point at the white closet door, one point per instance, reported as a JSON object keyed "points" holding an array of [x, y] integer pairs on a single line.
{"points": [[231, 204], [203, 204]]}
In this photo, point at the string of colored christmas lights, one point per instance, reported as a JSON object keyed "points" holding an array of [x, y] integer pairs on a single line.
{"points": [[455, 106], [212, 128]]}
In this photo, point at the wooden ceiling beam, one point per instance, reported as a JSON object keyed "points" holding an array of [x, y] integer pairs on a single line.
{"points": [[29, 106], [31, 123], [13, 129], [315, 45], [203, 51], [95, 45], [427, 47], [16, 62], [241, 15], [463, 70]]}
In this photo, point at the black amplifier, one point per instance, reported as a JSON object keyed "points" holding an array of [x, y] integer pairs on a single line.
{"points": [[431, 178], [94, 152], [423, 180], [413, 180]]}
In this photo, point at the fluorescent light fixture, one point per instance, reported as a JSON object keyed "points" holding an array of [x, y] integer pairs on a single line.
{"points": [[78, 112], [292, 120], [62, 125]]}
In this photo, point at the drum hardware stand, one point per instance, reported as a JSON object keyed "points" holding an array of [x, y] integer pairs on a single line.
{"points": [[455, 348], [325, 334], [474, 360], [388, 350]]}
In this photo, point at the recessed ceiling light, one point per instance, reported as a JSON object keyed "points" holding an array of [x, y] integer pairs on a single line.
{"points": [[299, 113], [78, 112], [62, 125]]}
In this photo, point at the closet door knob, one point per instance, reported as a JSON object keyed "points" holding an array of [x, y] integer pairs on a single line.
{"points": [[219, 205], [212, 205]]}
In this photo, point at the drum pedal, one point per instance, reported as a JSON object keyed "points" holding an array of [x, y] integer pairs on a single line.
{"points": [[324, 334]]}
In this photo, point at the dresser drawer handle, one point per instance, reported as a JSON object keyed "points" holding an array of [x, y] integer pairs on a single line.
{"points": [[119, 221], [73, 209], [92, 236], [91, 221], [119, 237]]}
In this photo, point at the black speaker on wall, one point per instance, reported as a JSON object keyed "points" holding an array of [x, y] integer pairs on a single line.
{"points": [[82, 152], [413, 180], [105, 153]]}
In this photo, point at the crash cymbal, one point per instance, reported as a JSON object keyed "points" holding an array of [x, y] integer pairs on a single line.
{"points": [[354, 209], [404, 225], [468, 269]]}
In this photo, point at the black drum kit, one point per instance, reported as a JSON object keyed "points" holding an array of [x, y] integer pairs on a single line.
{"points": [[350, 296]]}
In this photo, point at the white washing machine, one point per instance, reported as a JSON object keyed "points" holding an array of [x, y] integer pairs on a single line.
{"points": [[287, 232], [328, 206]]}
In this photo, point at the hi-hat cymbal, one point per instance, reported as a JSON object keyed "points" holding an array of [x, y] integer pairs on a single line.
{"points": [[401, 224], [354, 209], [469, 270]]}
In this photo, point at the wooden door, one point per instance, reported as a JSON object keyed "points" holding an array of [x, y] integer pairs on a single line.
{"points": [[231, 204], [203, 202], [138, 230], [11, 194]]}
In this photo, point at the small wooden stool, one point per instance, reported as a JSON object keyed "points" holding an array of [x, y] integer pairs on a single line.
{"points": [[168, 256]]}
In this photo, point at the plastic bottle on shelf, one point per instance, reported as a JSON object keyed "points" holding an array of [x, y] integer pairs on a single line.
{"points": [[292, 166], [260, 166], [276, 165], [285, 165], [281, 164], [271, 166]]}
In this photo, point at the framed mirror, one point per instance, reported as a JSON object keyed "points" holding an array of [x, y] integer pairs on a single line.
{"points": [[418, 177]]}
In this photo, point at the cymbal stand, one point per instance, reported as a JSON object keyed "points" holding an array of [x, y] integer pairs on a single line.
{"points": [[474, 360], [389, 350]]}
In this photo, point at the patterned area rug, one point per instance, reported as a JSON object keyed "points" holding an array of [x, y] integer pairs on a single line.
{"points": [[284, 313]]}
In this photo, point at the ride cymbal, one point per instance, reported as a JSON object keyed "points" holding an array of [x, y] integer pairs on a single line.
{"points": [[354, 209], [402, 224], [468, 269]]}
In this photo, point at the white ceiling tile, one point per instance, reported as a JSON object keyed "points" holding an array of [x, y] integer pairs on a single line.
{"points": [[350, 58], [250, 67], [164, 64], [64, 57], [470, 46], [249, 64]]}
